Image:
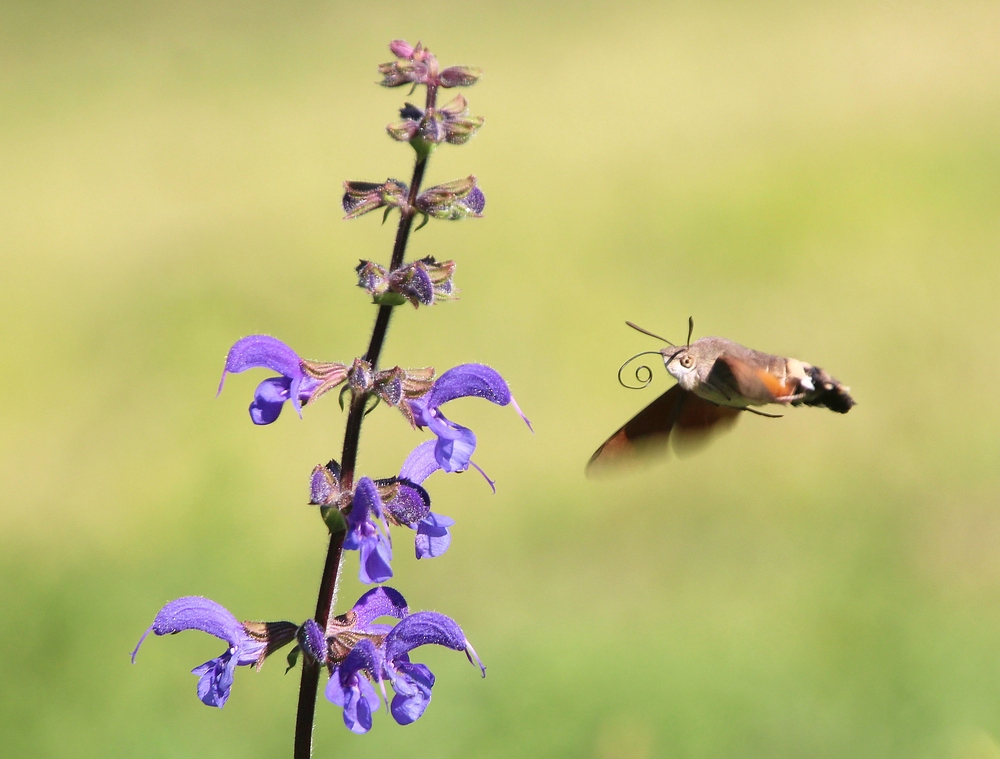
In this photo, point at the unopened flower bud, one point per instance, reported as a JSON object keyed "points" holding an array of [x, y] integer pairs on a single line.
{"points": [[460, 76], [312, 641], [401, 48], [417, 65], [363, 197], [453, 200], [413, 283], [372, 277]]}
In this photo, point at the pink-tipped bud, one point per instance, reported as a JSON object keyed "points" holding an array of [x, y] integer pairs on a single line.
{"points": [[401, 49]]}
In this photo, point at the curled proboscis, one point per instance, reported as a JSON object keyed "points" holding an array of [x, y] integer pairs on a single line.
{"points": [[643, 374]]}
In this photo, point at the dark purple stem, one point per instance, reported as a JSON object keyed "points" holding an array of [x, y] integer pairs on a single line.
{"points": [[327, 598]]}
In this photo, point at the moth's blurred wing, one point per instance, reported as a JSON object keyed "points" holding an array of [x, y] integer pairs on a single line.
{"points": [[677, 415], [698, 421]]}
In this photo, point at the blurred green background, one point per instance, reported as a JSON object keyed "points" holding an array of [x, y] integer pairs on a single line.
{"points": [[818, 180]]}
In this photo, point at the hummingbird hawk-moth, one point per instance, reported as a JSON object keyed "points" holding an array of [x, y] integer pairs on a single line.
{"points": [[716, 380]]}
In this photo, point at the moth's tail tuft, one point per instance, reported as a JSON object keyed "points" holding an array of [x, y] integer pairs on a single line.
{"points": [[829, 392]]}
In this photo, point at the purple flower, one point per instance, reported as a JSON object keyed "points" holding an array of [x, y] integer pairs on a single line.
{"points": [[413, 682], [249, 642], [300, 382], [432, 538], [455, 443], [368, 536], [364, 651]]}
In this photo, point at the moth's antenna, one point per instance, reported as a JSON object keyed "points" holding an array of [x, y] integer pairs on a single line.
{"points": [[638, 371], [637, 328], [690, 329]]}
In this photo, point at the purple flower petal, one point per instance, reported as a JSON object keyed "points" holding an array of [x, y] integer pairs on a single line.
{"points": [[215, 680], [375, 558], [469, 379], [197, 613], [421, 463], [261, 351], [412, 683], [454, 449], [379, 602], [364, 535], [433, 537], [357, 697], [421, 629], [269, 399]]}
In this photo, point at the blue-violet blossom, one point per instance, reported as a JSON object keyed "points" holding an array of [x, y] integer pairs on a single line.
{"points": [[362, 650], [455, 443], [249, 642], [301, 381]]}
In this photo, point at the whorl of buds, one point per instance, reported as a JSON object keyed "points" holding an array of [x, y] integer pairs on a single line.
{"points": [[449, 123], [417, 65], [389, 385], [422, 282]]}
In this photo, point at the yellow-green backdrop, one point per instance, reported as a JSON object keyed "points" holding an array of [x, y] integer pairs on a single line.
{"points": [[815, 179]]}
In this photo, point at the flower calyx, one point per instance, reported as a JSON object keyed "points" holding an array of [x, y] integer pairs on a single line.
{"points": [[451, 201], [389, 385], [422, 282], [364, 197]]}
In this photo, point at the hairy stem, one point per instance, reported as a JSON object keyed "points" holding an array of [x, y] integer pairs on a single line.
{"points": [[326, 601]]}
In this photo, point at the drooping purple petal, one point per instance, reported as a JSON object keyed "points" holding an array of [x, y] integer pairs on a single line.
{"points": [[455, 445], [261, 351], [269, 399], [469, 379], [379, 602], [423, 628], [357, 697], [421, 463], [368, 537], [197, 613], [433, 537], [375, 560], [412, 683], [215, 679]]}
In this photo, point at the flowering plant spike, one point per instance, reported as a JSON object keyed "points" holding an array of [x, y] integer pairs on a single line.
{"points": [[365, 651]]}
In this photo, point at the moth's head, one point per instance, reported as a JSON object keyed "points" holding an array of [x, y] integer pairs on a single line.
{"points": [[679, 360]]}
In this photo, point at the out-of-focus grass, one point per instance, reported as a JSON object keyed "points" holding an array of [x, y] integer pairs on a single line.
{"points": [[813, 180]]}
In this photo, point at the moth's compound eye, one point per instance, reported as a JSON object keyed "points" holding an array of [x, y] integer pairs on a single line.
{"points": [[687, 361]]}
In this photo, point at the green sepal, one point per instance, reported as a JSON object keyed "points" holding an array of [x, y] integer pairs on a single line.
{"points": [[292, 659], [334, 519], [343, 391], [388, 299]]}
